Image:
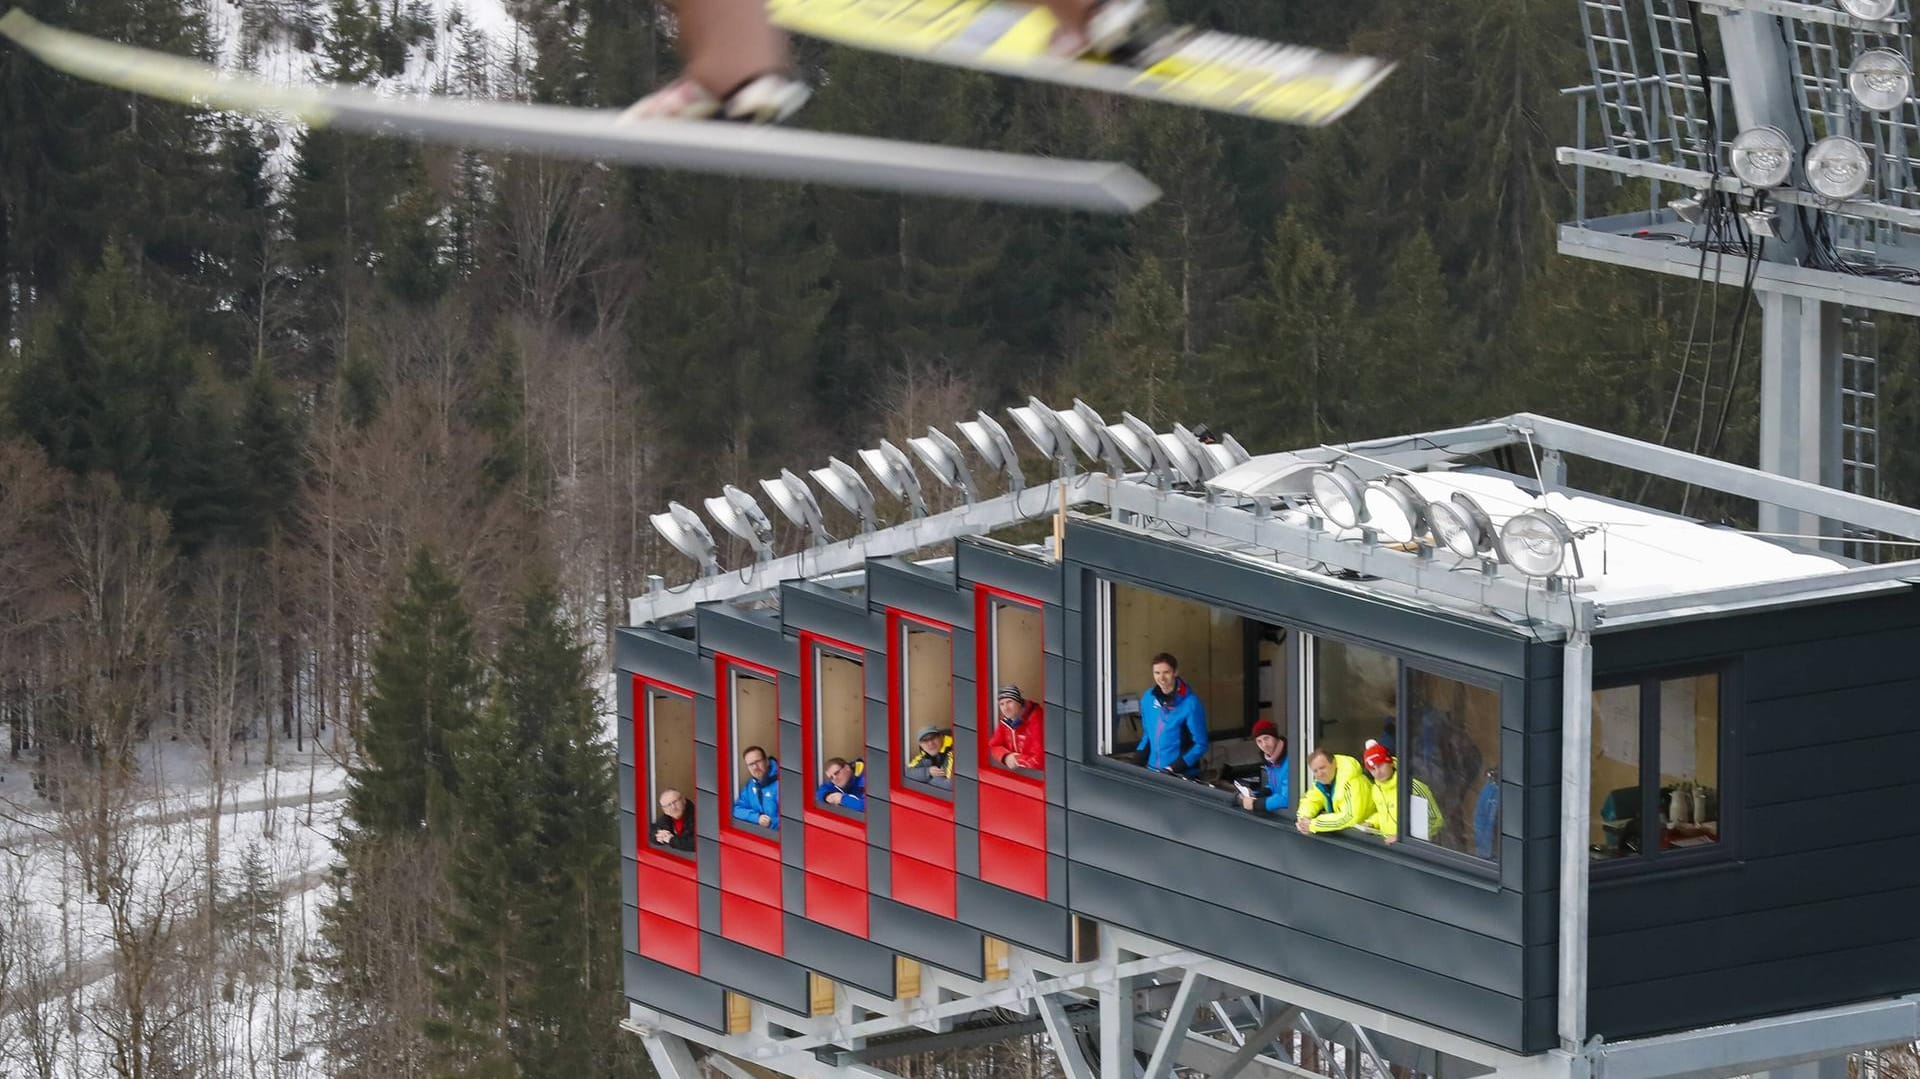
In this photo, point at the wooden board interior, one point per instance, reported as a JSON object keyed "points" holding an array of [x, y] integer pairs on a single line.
{"points": [[1208, 643], [840, 708], [755, 716], [669, 746], [1019, 651], [929, 684]]}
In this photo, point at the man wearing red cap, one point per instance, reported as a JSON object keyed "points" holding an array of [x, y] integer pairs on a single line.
{"points": [[1385, 818], [1339, 796], [1275, 792]]}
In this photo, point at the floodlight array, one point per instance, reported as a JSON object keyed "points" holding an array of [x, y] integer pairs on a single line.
{"points": [[1184, 456], [1536, 541]]}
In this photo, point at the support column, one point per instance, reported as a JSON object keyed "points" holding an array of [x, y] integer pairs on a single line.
{"points": [[1576, 764], [1799, 404], [671, 1057], [1116, 1018], [1834, 1067]]}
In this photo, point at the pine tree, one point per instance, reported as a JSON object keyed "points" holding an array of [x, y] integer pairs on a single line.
{"points": [[269, 435], [250, 910], [1133, 361], [1416, 343], [426, 682]]}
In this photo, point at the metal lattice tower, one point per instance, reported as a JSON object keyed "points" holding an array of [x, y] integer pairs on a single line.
{"points": [[1860, 415]]}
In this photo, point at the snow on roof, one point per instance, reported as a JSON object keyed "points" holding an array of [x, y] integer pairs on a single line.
{"points": [[1633, 551]]}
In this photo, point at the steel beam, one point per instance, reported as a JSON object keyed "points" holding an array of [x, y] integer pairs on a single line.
{"points": [[1179, 1018], [1825, 587], [1216, 1059], [1676, 260], [1798, 494], [1698, 180], [671, 1057], [1255, 1044], [1763, 1044], [1799, 403], [1576, 764], [1065, 1039]]}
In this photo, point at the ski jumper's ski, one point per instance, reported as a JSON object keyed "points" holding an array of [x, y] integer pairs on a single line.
{"points": [[1246, 76], [596, 134]]}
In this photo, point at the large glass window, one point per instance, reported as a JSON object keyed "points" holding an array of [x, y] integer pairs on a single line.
{"points": [[839, 726], [1356, 697], [926, 704], [669, 778], [1452, 753], [1656, 767]]}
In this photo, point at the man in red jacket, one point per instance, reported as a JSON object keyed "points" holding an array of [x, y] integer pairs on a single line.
{"points": [[1019, 737]]}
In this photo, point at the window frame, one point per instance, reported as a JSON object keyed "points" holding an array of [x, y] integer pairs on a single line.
{"points": [[1648, 681], [646, 776], [815, 648], [987, 600], [900, 625], [729, 747]]}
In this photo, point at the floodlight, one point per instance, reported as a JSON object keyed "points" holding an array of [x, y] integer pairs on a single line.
{"points": [[990, 441], [1536, 542], [1099, 443], [1870, 10], [1235, 451], [1337, 492], [1395, 509], [1880, 79], [847, 488], [1205, 465], [796, 502], [895, 473], [1461, 525], [1762, 223], [1143, 452], [1687, 209], [1185, 462], [1037, 430], [942, 458], [683, 528], [739, 514], [1837, 167], [1158, 454], [1762, 156]]}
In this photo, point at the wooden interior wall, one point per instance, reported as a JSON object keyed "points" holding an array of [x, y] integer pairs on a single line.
{"points": [[756, 717], [1019, 651], [842, 718], [929, 671], [670, 754], [1209, 643], [1616, 749]]}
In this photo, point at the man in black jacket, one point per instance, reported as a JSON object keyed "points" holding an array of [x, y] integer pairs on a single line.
{"points": [[674, 826]]}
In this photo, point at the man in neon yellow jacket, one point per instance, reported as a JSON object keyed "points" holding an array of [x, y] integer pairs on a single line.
{"points": [[1385, 818], [1337, 797]]}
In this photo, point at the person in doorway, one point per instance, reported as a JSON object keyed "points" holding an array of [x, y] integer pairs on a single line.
{"points": [[1019, 734], [1173, 722], [845, 785], [1274, 791], [1385, 817], [759, 800], [674, 826], [1338, 798], [737, 65], [933, 765]]}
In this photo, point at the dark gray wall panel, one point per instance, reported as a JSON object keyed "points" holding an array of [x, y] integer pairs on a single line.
{"points": [[1868, 711], [1013, 917], [707, 854], [966, 851], [1684, 642], [879, 870], [1850, 922], [706, 722], [1733, 889], [879, 823], [1357, 974], [793, 888], [624, 729], [630, 929], [629, 881], [754, 636], [998, 565], [629, 832], [1856, 816], [1317, 907], [1792, 775], [661, 656], [795, 788], [844, 958], [1758, 989], [928, 938], [710, 905], [829, 612], [896, 583], [706, 769], [628, 793], [1159, 562], [677, 993], [1360, 866], [747, 970]]}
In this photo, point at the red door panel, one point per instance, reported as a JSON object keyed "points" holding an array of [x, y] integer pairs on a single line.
{"points": [[756, 925], [1013, 865], [670, 895], [832, 854], [916, 883], [830, 902], [750, 874], [1013, 815], [667, 941], [922, 835]]}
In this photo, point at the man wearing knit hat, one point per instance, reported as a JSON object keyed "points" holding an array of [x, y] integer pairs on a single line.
{"points": [[1275, 792], [933, 765], [1385, 818], [1019, 734]]}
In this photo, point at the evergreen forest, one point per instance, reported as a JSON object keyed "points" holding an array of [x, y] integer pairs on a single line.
{"points": [[312, 442]]}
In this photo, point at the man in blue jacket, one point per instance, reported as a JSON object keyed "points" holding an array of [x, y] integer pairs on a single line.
{"points": [[759, 801], [1274, 792], [1173, 722], [845, 786]]}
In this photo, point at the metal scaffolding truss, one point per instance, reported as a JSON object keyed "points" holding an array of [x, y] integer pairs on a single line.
{"points": [[1148, 1010]]}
